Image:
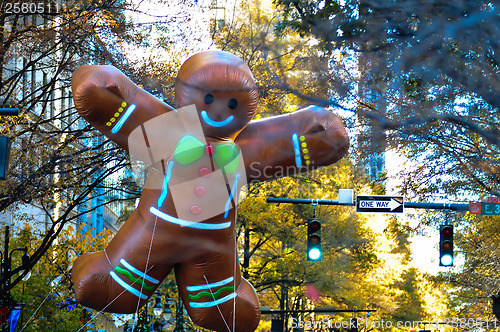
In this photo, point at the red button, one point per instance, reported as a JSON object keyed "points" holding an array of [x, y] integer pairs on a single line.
{"points": [[200, 191], [195, 209], [209, 150], [204, 171]]}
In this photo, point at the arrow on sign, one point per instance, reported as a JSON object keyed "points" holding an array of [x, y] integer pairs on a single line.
{"points": [[380, 204], [391, 205]]}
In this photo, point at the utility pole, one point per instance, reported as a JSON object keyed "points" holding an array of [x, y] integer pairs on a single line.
{"points": [[284, 298], [417, 205], [7, 302], [179, 316]]}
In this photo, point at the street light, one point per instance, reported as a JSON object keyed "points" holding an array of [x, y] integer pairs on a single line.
{"points": [[167, 313], [179, 316], [166, 319], [7, 302], [157, 309], [162, 316], [12, 111]]}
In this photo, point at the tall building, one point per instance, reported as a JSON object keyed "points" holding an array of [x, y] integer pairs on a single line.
{"points": [[372, 106]]}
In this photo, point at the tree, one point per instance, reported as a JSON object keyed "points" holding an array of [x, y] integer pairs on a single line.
{"points": [[410, 303], [429, 75], [359, 268], [472, 286], [47, 296], [58, 165]]}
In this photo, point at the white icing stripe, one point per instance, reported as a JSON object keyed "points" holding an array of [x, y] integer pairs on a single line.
{"points": [[296, 148], [143, 275], [208, 286], [122, 120], [233, 189], [187, 223], [127, 286], [212, 303]]}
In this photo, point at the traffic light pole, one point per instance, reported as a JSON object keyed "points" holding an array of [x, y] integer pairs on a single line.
{"points": [[317, 311], [306, 201], [7, 302], [9, 111], [412, 205]]}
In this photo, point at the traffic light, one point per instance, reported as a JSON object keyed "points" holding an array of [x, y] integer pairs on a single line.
{"points": [[5, 144], [4, 156], [276, 325], [9, 111], [313, 239], [353, 327], [496, 305], [446, 245]]}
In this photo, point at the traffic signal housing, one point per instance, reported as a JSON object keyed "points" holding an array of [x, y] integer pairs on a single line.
{"points": [[446, 245], [496, 305], [5, 144], [353, 326], [313, 239], [4, 156]]}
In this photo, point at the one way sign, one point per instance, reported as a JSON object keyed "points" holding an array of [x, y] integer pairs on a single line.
{"points": [[379, 204]]}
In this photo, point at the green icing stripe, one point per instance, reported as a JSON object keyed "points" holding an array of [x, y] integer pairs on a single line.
{"points": [[215, 295], [132, 278]]}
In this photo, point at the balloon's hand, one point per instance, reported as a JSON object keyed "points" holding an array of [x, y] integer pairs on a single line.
{"points": [[112, 103], [322, 137]]}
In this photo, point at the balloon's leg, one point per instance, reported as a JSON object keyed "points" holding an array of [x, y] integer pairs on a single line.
{"points": [[227, 304], [123, 277]]}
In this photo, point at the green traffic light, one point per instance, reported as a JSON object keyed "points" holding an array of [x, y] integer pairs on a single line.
{"points": [[446, 260], [446, 245], [314, 254], [313, 239]]}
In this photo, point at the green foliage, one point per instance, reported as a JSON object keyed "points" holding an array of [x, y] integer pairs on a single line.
{"points": [[428, 74], [315, 18], [410, 303], [56, 163], [471, 286], [47, 296], [361, 266]]}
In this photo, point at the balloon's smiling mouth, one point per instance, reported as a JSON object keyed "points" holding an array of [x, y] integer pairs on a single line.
{"points": [[214, 123]]}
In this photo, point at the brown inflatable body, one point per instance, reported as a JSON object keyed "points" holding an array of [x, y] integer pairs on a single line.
{"points": [[156, 238]]}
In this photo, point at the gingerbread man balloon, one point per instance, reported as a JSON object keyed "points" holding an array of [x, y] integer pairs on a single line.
{"points": [[194, 159]]}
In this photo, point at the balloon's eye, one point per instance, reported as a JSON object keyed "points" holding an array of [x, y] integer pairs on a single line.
{"points": [[209, 99], [232, 104]]}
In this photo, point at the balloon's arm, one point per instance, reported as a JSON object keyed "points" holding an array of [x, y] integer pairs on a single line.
{"points": [[289, 144], [112, 103]]}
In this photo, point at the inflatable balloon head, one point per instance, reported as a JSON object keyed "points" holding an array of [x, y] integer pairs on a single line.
{"points": [[196, 158], [223, 90]]}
